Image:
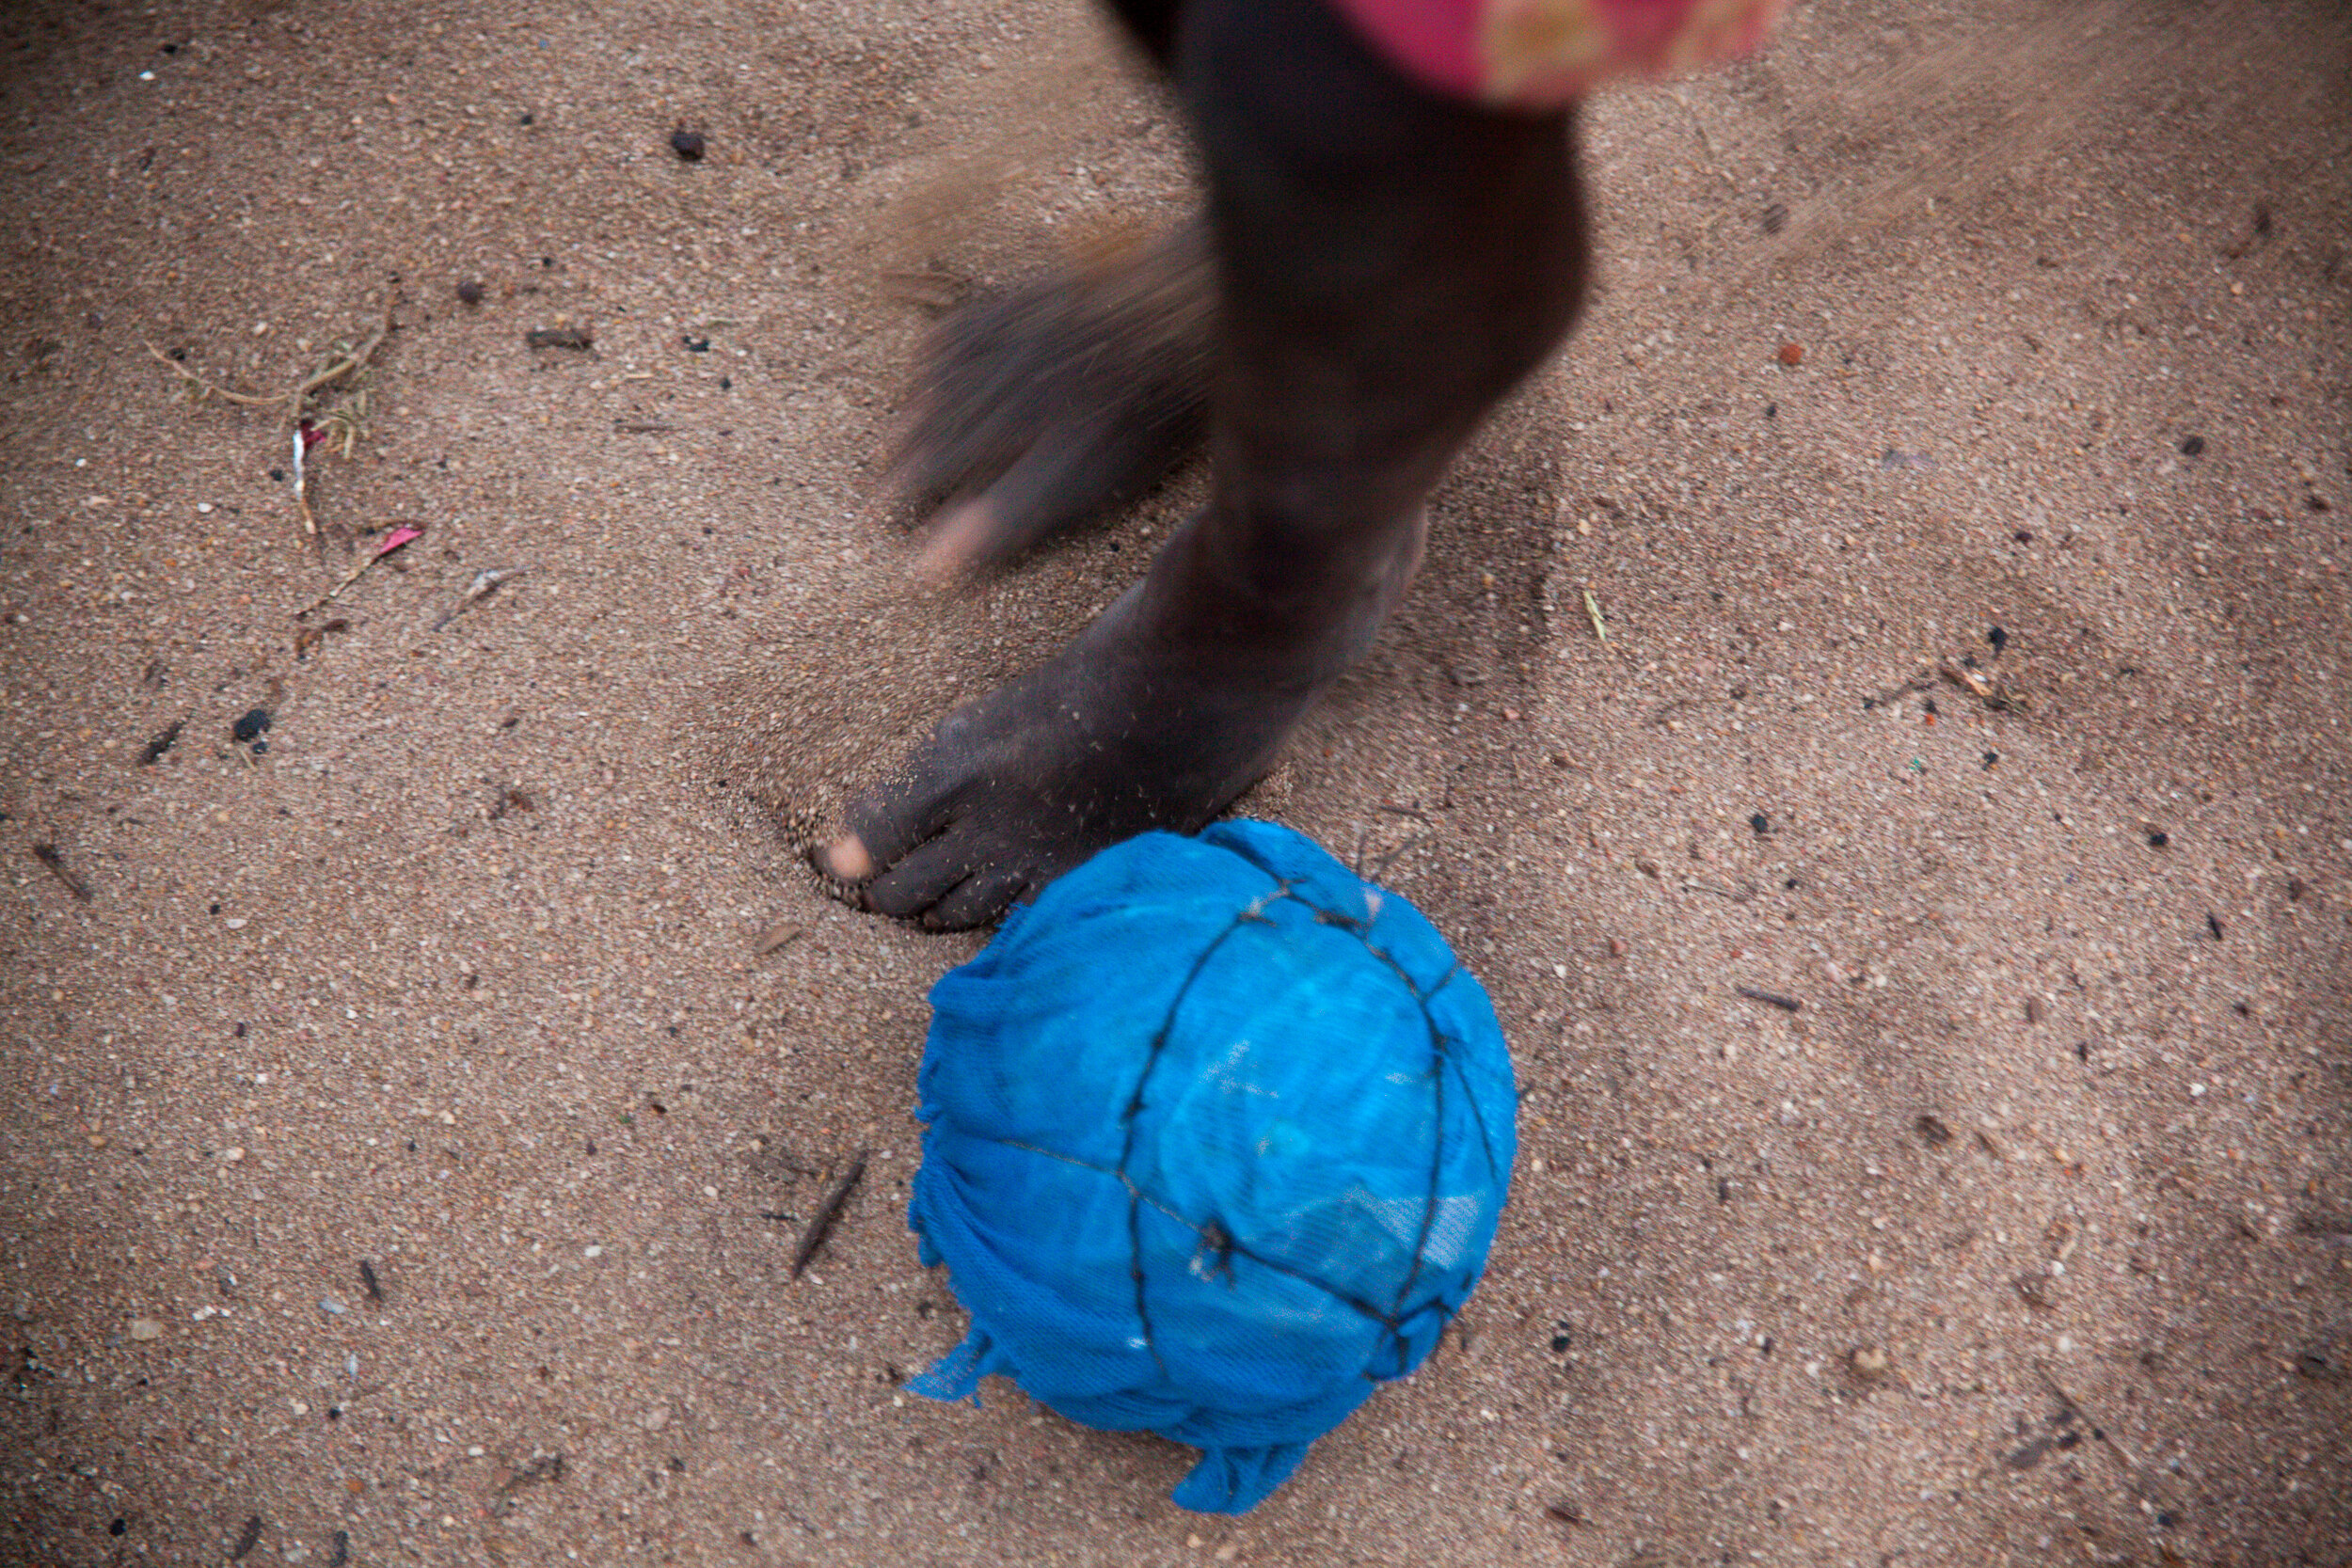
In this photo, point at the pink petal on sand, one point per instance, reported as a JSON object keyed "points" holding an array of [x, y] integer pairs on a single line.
{"points": [[398, 537]]}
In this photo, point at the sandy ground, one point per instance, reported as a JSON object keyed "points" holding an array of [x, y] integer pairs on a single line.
{"points": [[405, 1139]]}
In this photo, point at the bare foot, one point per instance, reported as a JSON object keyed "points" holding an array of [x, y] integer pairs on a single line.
{"points": [[1037, 410], [1112, 737]]}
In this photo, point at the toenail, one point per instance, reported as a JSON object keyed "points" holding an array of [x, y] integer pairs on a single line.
{"points": [[954, 545], [846, 858]]}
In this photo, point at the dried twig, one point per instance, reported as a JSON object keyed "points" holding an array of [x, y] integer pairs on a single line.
{"points": [[1786, 1004], [50, 857], [1995, 694], [399, 536], [1380, 866], [1960, 674], [2100, 1430], [820, 1223], [1896, 693], [291, 403], [485, 583], [198, 389], [338, 427], [352, 360]]}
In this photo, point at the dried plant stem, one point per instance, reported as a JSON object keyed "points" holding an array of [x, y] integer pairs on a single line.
{"points": [[339, 425], [292, 402]]}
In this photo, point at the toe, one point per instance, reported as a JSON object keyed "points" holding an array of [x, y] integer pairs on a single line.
{"points": [[844, 859], [958, 543], [976, 900], [1073, 470], [920, 879], [880, 827]]}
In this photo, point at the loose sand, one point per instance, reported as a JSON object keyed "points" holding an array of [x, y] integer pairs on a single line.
{"points": [[2024, 1237]]}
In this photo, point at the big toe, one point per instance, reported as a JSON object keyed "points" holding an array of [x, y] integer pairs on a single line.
{"points": [[845, 860], [959, 544]]}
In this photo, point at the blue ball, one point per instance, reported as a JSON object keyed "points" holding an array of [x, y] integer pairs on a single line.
{"points": [[1217, 1137]]}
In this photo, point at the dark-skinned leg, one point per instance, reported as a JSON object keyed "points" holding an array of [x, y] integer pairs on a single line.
{"points": [[1388, 265]]}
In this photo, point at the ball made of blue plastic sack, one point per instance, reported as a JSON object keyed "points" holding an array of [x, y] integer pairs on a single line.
{"points": [[1218, 1135]]}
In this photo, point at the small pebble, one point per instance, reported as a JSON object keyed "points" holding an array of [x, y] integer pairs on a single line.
{"points": [[250, 728], [2193, 447], [146, 1328], [470, 292], [1792, 354], [1870, 1363], [687, 145], [332, 1307]]}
